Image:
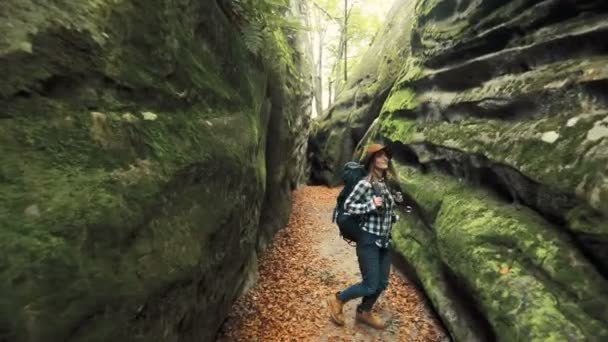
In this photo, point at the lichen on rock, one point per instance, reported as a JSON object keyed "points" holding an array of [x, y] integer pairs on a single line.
{"points": [[133, 166], [501, 107]]}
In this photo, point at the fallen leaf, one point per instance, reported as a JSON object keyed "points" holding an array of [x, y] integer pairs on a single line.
{"points": [[288, 303]]}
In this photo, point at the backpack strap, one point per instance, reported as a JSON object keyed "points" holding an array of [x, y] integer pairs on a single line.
{"points": [[334, 215]]}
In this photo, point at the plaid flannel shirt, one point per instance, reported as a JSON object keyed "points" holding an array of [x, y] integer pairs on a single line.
{"points": [[375, 221]]}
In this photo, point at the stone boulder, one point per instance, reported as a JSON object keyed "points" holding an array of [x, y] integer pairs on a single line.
{"points": [[138, 143], [335, 135], [498, 121]]}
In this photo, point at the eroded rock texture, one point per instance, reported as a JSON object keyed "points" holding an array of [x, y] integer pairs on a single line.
{"points": [[335, 136], [499, 123], [141, 144]]}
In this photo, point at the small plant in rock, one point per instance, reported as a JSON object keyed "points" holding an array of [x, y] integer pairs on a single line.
{"points": [[258, 20]]}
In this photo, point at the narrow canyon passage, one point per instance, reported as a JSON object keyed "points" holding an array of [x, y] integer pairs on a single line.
{"points": [[306, 262], [150, 149]]}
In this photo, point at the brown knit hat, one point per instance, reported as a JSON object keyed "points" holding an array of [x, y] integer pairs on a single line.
{"points": [[372, 150]]}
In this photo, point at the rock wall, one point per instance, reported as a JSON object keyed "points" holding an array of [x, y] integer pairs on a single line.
{"points": [[499, 125], [138, 143], [334, 137]]}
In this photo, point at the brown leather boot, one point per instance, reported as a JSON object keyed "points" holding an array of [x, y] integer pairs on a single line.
{"points": [[370, 319], [335, 309]]}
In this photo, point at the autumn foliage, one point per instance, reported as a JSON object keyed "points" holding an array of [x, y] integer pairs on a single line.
{"points": [[308, 261]]}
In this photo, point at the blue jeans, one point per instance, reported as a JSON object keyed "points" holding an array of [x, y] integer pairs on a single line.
{"points": [[375, 265]]}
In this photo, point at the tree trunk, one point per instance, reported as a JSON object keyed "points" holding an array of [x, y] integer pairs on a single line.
{"points": [[345, 39], [336, 70], [330, 83], [314, 18], [319, 76]]}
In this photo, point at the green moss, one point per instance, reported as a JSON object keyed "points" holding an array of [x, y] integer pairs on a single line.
{"points": [[83, 218], [417, 245], [515, 263], [402, 99], [412, 70], [447, 26], [120, 169], [397, 130], [582, 219], [425, 7], [435, 37], [558, 164], [515, 143]]}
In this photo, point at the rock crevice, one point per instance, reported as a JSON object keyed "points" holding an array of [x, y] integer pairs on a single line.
{"points": [[138, 176], [498, 122]]}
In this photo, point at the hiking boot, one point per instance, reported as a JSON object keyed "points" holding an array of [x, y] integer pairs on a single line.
{"points": [[335, 309], [370, 319]]}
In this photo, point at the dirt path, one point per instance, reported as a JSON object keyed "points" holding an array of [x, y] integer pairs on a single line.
{"points": [[308, 261]]}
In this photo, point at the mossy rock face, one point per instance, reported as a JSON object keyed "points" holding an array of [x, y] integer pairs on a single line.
{"points": [[337, 133], [134, 166], [525, 276], [545, 116], [415, 243], [529, 124], [502, 106]]}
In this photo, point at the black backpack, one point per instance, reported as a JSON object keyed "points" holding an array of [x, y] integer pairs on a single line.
{"points": [[349, 225]]}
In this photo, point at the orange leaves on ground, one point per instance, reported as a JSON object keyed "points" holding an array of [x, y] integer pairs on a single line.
{"points": [[288, 302]]}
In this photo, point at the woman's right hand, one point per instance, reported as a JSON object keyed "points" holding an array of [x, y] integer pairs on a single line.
{"points": [[378, 202]]}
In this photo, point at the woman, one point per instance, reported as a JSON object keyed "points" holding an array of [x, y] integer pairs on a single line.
{"points": [[372, 200]]}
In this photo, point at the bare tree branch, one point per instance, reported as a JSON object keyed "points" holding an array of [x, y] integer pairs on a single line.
{"points": [[326, 13]]}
